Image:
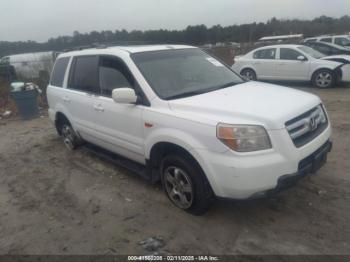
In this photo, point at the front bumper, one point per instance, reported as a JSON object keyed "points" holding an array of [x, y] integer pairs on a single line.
{"points": [[243, 176], [307, 166]]}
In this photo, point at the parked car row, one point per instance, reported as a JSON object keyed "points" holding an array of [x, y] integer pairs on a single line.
{"points": [[340, 40], [295, 63], [328, 48]]}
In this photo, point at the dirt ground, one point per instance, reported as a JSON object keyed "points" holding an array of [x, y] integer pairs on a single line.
{"points": [[53, 201]]}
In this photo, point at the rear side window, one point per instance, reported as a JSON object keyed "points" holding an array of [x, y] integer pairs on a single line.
{"points": [[59, 71], [327, 40], [265, 54], [324, 49], [310, 40], [84, 75]]}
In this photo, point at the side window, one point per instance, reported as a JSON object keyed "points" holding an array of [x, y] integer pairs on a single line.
{"points": [[289, 54], [265, 54], [113, 74], [327, 39], [324, 49], [311, 40], [84, 75], [5, 60], [342, 41], [59, 71]]}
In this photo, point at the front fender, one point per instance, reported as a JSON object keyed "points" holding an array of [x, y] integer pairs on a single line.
{"points": [[190, 144], [324, 64], [173, 136], [337, 69]]}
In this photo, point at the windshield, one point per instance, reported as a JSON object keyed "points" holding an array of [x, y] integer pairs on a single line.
{"points": [[312, 52], [183, 72]]}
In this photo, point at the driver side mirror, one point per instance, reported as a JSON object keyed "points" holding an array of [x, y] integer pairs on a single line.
{"points": [[125, 95], [302, 58]]}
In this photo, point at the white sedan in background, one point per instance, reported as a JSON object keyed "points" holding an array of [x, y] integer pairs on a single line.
{"points": [[344, 59], [289, 63]]}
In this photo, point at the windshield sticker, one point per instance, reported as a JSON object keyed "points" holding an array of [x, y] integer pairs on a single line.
{"points": [[214, 61]]}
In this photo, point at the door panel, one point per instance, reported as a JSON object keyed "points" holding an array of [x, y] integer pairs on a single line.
{"points": [[81, 93], [264, 63], [120, 126], [290, 68], [266, 69], [79, 105]]}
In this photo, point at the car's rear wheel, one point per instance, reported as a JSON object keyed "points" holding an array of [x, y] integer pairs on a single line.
{"points": [[185, 184], [249, 74], [323, 78], [70, 139]]}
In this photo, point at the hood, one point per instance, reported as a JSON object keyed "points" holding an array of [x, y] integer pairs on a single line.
{"points": [[248, 103], [330, 63], [338, 58]]}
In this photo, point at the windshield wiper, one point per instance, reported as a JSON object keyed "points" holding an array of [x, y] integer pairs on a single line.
{"points": [[186, 94], [221, 86], [198, 92]]}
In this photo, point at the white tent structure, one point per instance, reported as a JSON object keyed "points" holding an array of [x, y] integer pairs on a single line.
{"points": [[280, 38]]}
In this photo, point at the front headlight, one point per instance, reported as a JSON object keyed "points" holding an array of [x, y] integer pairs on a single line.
{"points": [[243, 138]]}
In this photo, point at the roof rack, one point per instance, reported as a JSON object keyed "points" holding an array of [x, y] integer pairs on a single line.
{"points": [[77, 48], [109, 44]]}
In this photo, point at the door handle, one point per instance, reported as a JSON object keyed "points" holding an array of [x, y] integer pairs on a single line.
{"points": [[66, 99], [99, 108]]}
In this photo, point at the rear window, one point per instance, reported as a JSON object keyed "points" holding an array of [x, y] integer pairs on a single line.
{"points": [[327, 40], [59, 71], [265, 54], [310, 40]]}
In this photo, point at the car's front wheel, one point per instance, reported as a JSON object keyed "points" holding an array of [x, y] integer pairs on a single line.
{"points": [[323, 78], [186, 185]]}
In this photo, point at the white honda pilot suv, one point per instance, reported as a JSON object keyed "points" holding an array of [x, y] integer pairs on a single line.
{"points": [[176, 114]]}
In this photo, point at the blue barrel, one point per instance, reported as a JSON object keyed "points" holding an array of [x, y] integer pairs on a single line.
{"points": [[26, 102]]}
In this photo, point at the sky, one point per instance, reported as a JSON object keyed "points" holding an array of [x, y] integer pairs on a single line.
{"points": [[39, 20]]}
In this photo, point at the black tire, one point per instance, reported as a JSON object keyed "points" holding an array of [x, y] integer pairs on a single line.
{"points": [[249, 74], [201, 196], [323, 78], [70, 138]]}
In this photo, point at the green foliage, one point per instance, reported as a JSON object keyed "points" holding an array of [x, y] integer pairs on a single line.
{"points": [[195, 35]]}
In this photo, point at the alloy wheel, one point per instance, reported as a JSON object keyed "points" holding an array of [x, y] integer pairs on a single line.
{"points": [[324, 79], [178, 187], [68, 136], [248, 74]]}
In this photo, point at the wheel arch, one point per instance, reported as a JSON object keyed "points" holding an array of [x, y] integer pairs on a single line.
{"points": [[322, 68], [59, 119], [248, 67], [162, 149]]}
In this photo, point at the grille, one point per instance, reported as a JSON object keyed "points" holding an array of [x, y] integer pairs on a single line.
{"points": [[307, 126]]}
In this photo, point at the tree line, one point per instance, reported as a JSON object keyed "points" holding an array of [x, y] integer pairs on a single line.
{"points": [[194, 35]]}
